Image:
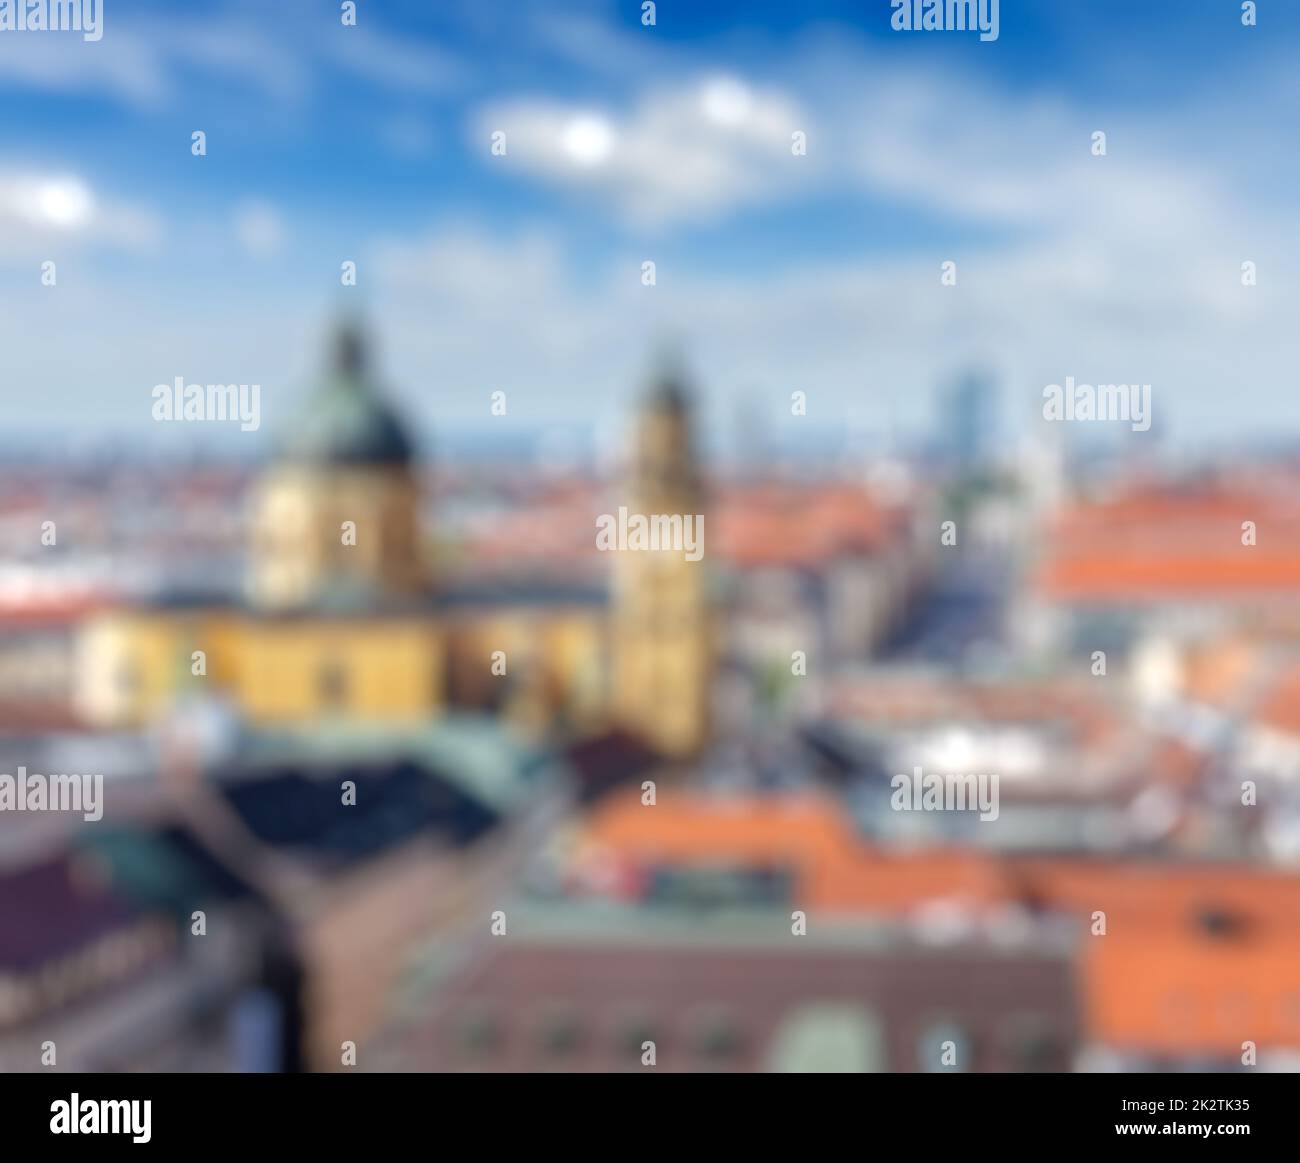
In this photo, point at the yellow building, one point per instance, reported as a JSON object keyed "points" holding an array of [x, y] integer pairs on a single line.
{"points": [[341, 618]]}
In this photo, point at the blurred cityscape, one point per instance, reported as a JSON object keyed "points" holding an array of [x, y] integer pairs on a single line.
{"points": [[940, 731], [469, 794]]}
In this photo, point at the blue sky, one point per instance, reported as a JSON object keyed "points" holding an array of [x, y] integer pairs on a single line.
{"points": [[624, 144]]}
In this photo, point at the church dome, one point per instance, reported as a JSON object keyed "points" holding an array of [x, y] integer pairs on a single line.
{"points": [[346, 422]]}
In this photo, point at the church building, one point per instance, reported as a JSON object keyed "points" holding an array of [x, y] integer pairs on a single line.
{"points": [[343, 618]]}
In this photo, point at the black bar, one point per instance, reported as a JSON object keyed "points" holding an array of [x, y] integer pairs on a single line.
{"points": [[340, 1111]]}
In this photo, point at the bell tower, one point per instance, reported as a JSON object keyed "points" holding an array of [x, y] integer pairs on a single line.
{"points": [[662, 631]]}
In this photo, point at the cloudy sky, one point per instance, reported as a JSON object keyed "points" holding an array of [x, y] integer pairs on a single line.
{"points": [[671, 144]]}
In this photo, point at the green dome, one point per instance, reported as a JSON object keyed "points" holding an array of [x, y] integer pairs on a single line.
{"points": [[345, 421]]}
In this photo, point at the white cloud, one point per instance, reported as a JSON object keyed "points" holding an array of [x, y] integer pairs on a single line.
{"points": [[698, 144], [686, 152], [56, 203], [41, 213]]}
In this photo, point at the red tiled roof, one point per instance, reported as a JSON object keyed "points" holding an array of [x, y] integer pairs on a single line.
{"points": [[802, 526], [771, 525]]}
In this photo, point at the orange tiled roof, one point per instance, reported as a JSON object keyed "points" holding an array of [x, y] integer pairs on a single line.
{"points": [[1110, 576], [802, 526], [806, 832], [1178, 996], [1153, 542], [1195, 957], [1160, 979]]}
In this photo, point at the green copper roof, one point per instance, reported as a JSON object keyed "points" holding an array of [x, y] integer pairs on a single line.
{"points": [[473, 752], [346, 421]]}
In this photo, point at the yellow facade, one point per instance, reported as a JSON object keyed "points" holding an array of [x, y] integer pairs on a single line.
{"points": [[301, 670], [126, 667], [317, 528], [551, 664], [276, 672]]}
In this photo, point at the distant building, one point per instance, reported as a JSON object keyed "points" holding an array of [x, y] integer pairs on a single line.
{"points": [[1171, 563], [966, 423]]}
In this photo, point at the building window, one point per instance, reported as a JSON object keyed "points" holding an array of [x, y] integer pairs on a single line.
{"points": [[717, 1035], [829, 1038], [479, 1033], [1032, 1045], [560, 1033], [333, 684]]}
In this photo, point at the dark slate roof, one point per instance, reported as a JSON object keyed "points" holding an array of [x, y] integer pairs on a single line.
{"points": [[603, 762], [523, 591], [394, 803]]}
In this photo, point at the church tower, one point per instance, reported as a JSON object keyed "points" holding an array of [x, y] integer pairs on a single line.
{"points": [[338, 519], [662, 632]]}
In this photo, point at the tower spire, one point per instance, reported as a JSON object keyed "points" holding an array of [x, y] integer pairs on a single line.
{"points": [[349, 354], [668, 377]]}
